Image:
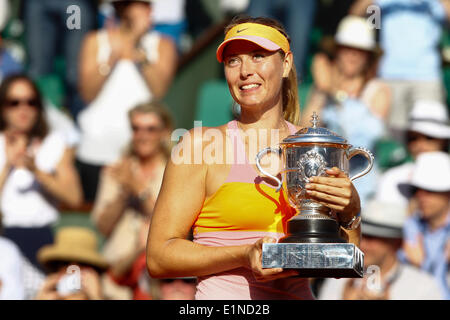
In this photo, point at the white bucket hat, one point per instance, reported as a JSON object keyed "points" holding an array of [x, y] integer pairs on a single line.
{"points": [[431, 172], [355, 32], [383, 219], [430, 118]]}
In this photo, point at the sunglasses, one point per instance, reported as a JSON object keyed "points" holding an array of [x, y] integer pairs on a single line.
{"points": [[17, 102], [149, 129]]}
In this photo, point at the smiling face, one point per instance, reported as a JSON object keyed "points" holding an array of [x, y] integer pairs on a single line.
{"points": [[352, 61], [148, 131], [20, 112], [254, 75]]}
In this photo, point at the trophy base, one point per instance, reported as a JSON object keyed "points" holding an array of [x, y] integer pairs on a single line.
{"points": [[312, 230], [315, 260]]}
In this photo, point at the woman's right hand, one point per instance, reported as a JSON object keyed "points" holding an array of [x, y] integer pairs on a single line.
{"points": [[261, 274], [48, 290], [16, 148]]}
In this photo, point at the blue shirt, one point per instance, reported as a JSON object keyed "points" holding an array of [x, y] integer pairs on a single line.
{"points": [[434, 245], [354, 121], [8, 65], [409, 36]]}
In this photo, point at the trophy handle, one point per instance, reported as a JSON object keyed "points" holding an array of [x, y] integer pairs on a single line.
{"points": [[368, 155], [261, 154]]}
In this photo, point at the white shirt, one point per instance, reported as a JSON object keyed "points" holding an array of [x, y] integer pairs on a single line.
{"points": [[59, 121], [411, 284], [22, 200], [104, 124], [11, 275]]}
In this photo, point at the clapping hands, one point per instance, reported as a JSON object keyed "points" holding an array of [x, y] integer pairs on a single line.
{"points": [[19, 152], [125, 174]]}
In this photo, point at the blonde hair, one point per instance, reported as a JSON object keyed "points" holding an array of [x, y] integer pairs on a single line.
{"points": [[161, 110], [291, 103]]}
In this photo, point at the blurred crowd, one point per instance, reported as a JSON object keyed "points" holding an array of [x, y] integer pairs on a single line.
{"points": [[376, 77]]}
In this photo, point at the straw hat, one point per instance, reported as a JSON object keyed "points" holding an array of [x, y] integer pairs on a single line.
{"points": [[355, 32], [430, 118], [431, 172], [73, 244], [383, 219]]}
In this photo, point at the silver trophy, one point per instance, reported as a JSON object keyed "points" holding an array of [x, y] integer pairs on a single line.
{"points": [[313, 243]]}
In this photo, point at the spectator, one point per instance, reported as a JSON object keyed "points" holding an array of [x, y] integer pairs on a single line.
{"points": [[410, 32], [345, 89], [74, 265], [120, 67], [427, 232], [48, 25], [11, 274], [349, 76], [36, 168], [128, 189], [56, 119], [386, 277], [428, 131], [298, 18]]}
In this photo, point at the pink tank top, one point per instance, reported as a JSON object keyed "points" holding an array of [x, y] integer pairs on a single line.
{"points": [[243, 210]]}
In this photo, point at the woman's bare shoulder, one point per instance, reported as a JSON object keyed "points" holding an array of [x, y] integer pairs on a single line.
{"points": [[195, 141]]}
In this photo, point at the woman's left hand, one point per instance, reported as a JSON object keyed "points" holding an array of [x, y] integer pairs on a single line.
{"points": [[335, 192]]}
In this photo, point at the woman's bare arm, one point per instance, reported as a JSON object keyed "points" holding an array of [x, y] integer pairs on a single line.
{"points": [[353, 236], [316, 103], [64, 184], [108, 209], [446, 5], [91, 80], [321, 72], [381, 102], [159, 75], [169, 254], [182, 193]]}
